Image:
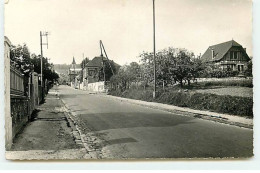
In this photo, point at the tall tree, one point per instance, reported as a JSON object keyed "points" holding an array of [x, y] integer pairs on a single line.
{"points": [[20, 56], [84, 62]]}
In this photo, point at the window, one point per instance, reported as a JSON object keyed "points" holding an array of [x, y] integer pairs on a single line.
{"points": [[90, 72], [233, 55]]}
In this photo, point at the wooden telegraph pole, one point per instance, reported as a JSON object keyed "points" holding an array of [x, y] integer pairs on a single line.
{"points": [[154, 61], [46, 35]]}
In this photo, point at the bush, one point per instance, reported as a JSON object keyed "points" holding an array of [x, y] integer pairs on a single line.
{"points": [[222, 103], [219, 103]]}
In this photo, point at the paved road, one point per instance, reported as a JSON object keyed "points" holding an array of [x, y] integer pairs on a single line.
{"points": [[126, 130]]}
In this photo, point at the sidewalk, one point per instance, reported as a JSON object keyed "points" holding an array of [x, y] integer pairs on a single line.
{"points": [[48, 135]]}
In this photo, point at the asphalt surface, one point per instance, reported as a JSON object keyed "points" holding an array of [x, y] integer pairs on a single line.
{"points": [[126, 130]]}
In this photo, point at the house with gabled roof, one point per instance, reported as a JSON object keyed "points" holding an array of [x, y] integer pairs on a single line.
{"points": [[227, 55], [91, 72]]}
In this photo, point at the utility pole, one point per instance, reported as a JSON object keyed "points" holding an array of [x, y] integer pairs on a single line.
{"points": [[154, 91], [74, 73], [103, 48], [46, 35], [83, 62], [104, 72], [103, 62]]}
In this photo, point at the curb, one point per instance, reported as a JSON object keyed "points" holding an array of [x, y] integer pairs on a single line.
{"points": [[87, 141], [205, 115]]}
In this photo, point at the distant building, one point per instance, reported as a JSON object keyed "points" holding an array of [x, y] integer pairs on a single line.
{"points": [[74, 71], [229, 54]]}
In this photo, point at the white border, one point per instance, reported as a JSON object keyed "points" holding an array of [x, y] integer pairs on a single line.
{"points": [[251, 164]]}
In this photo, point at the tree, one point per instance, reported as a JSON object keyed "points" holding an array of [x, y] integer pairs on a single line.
{"points": [[20, 56], [133, 71], [84, 62], [181, 66], [249, 70], [109, 65], [47, 71], [172, 65], [120, 80]]}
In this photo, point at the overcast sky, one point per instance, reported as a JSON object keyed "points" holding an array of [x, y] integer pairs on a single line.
{"points": [[125, 26]]}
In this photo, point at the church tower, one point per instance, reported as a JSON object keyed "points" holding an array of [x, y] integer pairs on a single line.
{"points": [[73, 64]]}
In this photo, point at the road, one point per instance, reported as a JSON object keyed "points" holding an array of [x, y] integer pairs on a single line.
{"points": [[126, 130]]}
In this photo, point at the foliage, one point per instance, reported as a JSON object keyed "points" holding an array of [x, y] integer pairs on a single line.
{"points": [[47, 68], [20, 56], [84, 62], [172, 65], [126, 75], [249, 70], [109, 68], [241, 106], [215, 71], [27, 63]]}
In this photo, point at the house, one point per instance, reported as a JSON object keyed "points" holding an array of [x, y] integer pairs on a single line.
{"points": [[74, 71], [92, 71], [227, 55]]}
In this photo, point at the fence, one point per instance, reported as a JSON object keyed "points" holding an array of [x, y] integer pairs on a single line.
{"points": [[20, 99], [23, 102], [19, 102], [16, 82]]}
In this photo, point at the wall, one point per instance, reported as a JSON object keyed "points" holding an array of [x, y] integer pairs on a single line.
{"points": [[18, 105], [96, 87], [8, 118], [35, 82]]}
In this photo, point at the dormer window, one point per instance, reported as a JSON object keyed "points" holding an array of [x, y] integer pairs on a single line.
{"points": [[234, 55]]}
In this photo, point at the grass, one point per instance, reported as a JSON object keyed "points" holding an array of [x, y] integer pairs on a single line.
{"points": [[217, 84], [232, 91]]}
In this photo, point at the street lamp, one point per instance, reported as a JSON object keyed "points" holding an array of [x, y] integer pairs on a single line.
{"points": [[154, 91]]}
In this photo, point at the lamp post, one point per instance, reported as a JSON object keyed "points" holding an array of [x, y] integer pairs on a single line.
{"points": [[154, 90]]}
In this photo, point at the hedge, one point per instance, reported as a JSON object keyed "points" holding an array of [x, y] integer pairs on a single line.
{"points": [[234, 105]]}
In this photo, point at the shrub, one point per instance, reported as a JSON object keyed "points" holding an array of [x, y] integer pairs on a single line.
{"points": [[203, 101]]}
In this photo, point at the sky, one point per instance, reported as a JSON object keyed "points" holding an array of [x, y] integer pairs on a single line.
{"points": [[126, 26]]}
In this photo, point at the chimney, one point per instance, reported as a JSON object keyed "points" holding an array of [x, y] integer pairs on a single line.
{"points": [[212, 53], [245, 49]]}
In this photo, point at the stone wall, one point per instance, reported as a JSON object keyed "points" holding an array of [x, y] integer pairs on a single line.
{"points": [[19, 113]]}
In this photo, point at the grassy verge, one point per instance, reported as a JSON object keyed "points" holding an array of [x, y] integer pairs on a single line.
{"points": [[218, 84], [203, 101]]}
